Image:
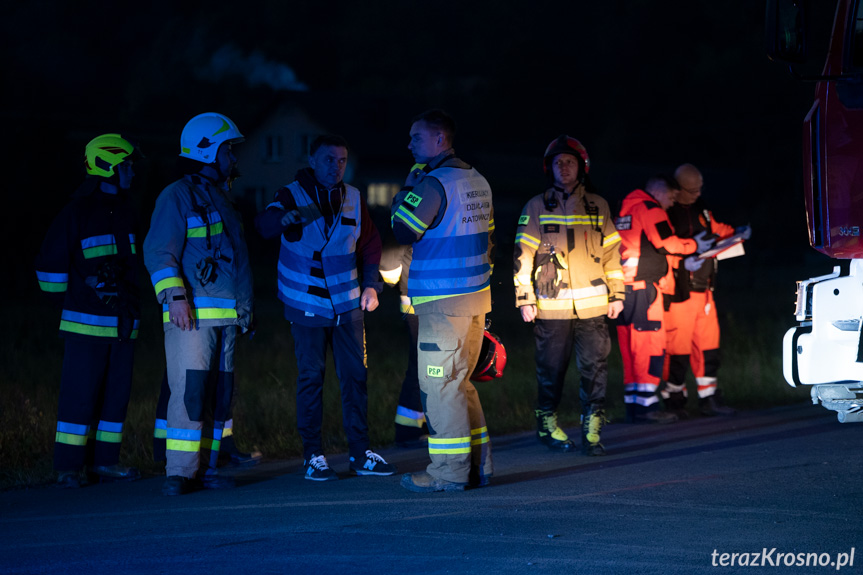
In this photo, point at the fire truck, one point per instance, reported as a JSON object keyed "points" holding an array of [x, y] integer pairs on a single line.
{"points": [[825, 349]]}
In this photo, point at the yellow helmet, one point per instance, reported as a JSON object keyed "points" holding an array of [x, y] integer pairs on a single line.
{"points": [[104, 152]]}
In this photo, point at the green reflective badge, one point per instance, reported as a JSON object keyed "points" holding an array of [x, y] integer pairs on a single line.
{"points": [[435, 371], [413, 199], [522, 221]]}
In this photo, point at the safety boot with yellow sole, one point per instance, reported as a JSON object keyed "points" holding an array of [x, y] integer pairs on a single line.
{"points": [[591, 426], [550, 434]]}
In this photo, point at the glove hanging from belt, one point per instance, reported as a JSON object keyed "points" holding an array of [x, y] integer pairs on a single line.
{"points": [[547, 276]]}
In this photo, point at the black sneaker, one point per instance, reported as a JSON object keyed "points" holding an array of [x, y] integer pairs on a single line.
{"points": [[371, 464], [316, 469]]}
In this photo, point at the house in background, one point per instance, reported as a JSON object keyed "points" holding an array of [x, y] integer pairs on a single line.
{"points": [[277, 146]]}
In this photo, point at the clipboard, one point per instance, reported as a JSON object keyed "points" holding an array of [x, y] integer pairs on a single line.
{"points": [[723, 246]]}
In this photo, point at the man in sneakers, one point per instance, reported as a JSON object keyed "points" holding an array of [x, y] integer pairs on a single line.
{"points": [[647, 238], [567, 280], [325, 231], [446, 214]]}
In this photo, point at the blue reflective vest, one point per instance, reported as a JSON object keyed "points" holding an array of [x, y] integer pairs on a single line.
{"points": [[318, 273], [452, 257]]}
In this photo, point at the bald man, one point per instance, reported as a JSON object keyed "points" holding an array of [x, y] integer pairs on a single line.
{"points": [[691, 324]]}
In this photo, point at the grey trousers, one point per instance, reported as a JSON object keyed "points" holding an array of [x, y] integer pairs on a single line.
{"points": [[200, 364]]}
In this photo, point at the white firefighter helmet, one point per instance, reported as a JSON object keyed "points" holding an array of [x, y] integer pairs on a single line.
{"points": [[203, 135]]}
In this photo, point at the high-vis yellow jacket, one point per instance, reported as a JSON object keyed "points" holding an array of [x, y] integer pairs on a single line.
{"points": [[578, 230]]}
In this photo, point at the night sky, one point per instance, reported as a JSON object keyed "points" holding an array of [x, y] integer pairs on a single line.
{"points": [[645, 85]]}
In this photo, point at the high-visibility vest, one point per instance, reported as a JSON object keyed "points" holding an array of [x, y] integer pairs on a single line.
{"points": [[452, 257], [318, 274]]}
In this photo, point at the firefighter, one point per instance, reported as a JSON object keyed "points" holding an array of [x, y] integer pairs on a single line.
{"points": [[446, 214], [691, 323], [567, 280], [229, 453], [647, 237], [328, 276], [410, 422], [88, 266], [198, 262]]}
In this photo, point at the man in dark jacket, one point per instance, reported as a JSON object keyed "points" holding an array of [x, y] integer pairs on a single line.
{"points": [[328, 276]]}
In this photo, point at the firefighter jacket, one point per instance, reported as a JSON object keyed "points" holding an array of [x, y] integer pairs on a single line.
{"points": [[195, 250], [88, 265], [647, 237], [573, 233], [449, 219], [688, 221]]}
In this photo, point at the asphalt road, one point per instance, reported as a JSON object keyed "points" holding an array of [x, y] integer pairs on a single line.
{"points": [[667, 499]]}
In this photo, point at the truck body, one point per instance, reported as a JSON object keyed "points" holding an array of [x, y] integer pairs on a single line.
{"points": [[824, 350]]}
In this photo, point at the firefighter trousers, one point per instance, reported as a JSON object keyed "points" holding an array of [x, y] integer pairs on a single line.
{"points": [[95, 387], [642, 344], [200, 366], [348, 342], [221, 412], [556, 339], [692, 333], [447, 351], [410, 419]]}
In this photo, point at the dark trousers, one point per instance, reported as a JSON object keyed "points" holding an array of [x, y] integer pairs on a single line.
{"points": [[349, 355], [556, 339], [94, 394], [410, 419]]}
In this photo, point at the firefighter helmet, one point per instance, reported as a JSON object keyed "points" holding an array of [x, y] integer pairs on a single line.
{"points": [[565, 145], [104, 152], [492, 358], [203, 135]]}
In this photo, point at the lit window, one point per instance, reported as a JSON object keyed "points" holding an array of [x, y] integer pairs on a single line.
{"points": [[381, 194]]}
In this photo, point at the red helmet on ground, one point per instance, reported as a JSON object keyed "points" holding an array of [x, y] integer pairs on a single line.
{"points": [[492, 358], [565, 145]]}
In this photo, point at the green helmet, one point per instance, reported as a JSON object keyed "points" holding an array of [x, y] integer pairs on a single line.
{"points": [[104, 152]]}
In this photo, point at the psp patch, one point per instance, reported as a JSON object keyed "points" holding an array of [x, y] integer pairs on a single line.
{"points": [[623, 223], [413, 199], [523, 220], [434, 371]]}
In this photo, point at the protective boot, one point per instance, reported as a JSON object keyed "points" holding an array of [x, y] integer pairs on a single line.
{"points": [[676, 404], [550, 434], [712, 405], [591, 426]]}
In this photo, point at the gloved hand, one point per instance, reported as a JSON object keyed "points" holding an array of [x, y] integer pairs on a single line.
{"points": [[705, 241], [693, 263], [745, 230], [545, 281]]}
